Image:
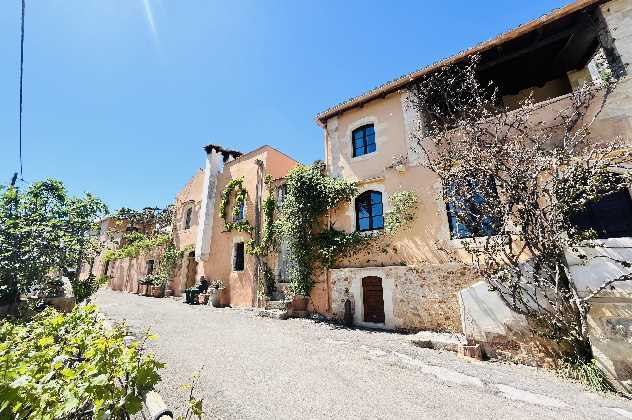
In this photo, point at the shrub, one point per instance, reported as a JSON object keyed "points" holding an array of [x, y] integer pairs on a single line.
{"points": [[83, 289], [71, 366]]}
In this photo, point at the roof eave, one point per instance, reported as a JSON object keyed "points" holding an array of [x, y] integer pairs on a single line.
{"points": [[397, 84]]}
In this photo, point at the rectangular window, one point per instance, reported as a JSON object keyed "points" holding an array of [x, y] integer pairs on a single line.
{"points": [[150, 267], [238, 258], [281, 192], [610, 217]]}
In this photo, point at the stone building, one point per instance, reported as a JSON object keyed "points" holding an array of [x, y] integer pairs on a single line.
{"points": [[368, 139], [411, 284], [200, 231]]}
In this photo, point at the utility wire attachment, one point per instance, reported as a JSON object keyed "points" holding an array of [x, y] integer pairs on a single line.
{"points": [[21, 78]]}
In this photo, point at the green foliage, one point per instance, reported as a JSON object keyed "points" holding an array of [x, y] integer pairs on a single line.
{"points": [[194, 406], [270, 229], [169, 260], [149, 219], [234, 186], [139, 244], [154, 280], [310, 195], [43, 232], [266, 281], [403, 208], [72, 366], [587, 373], [85, 288]]}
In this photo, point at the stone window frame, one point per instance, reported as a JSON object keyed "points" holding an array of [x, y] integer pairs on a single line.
{"points": [[186, 207], [233, 256], [359, 123], [377, 185]]}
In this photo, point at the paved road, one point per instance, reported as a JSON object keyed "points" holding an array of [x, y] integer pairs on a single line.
{"points": [[259, 368]]}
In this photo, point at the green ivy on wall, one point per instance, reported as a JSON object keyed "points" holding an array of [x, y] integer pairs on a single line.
{"points": [[311, 193], [138, 244], [402, 212], [267, 241], [235, 186]]}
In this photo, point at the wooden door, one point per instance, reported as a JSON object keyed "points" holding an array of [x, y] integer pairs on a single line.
{"points": [[191, 272], [373, 299]]}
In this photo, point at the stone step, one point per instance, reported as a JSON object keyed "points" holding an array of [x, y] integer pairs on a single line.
{"points": [[273, 313], [437, 341], [276, 304]]}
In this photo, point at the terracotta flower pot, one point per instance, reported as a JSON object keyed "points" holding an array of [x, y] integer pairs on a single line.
{"points": [[156, 291], [202, 298], [142, 289], [300, 303]]}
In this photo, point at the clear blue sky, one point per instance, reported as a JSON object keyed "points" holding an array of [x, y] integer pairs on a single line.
{"points": [[121, 95]]}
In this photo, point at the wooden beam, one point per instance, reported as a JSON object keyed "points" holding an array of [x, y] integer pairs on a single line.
{"points": [[533, 46]]}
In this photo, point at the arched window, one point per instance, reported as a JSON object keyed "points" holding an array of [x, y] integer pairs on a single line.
{"points": [[369, 211], [187, 218], [363, 140]]}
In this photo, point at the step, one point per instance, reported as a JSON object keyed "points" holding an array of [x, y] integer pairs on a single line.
{"points": [[276, 304], [272, 313], [437, 341]]}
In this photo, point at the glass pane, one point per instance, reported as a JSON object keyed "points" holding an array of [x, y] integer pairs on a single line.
{"points": [[370, 138], [369, 130], [370, 148], [376, 210], [376, 198], [358, 151], [363, 210], [357, 143], [363, 224], [378, 222], [358, 134]]}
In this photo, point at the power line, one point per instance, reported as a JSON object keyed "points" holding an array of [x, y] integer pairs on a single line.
{"points": [[21, 78]]}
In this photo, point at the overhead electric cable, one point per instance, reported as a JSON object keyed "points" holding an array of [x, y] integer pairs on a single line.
{"points": [[21, 78]]}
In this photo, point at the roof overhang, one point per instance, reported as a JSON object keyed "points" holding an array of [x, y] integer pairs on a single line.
{"points": [[400, 83]]}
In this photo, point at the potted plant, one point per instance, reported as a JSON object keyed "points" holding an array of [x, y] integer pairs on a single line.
{"points": [[142, 286], [203, 298], [155, 285], [298, 297], [214, 290]]}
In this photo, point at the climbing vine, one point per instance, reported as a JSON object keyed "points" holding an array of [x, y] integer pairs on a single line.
{"points": [[138, 244], [310, 195], [403, 208], [268, 237], [235, 186]]}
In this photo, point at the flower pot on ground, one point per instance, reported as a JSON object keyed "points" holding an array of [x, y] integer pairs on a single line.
{"points": [[215, 291], [215, 294], [203, 298], [156, 291], [299, 303], [155, 285]]}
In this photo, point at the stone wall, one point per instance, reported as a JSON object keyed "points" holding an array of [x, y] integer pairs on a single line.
{"points": [[416, 298]]}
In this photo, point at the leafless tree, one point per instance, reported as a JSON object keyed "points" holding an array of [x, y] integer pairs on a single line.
{"points": [[517, 181]]}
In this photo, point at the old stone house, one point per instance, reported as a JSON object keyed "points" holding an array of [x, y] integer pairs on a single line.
{"points": [[368, 139], [210, 247]]}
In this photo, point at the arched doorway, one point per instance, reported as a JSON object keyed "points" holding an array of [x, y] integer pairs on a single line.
{"points": [[373, 299]]}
